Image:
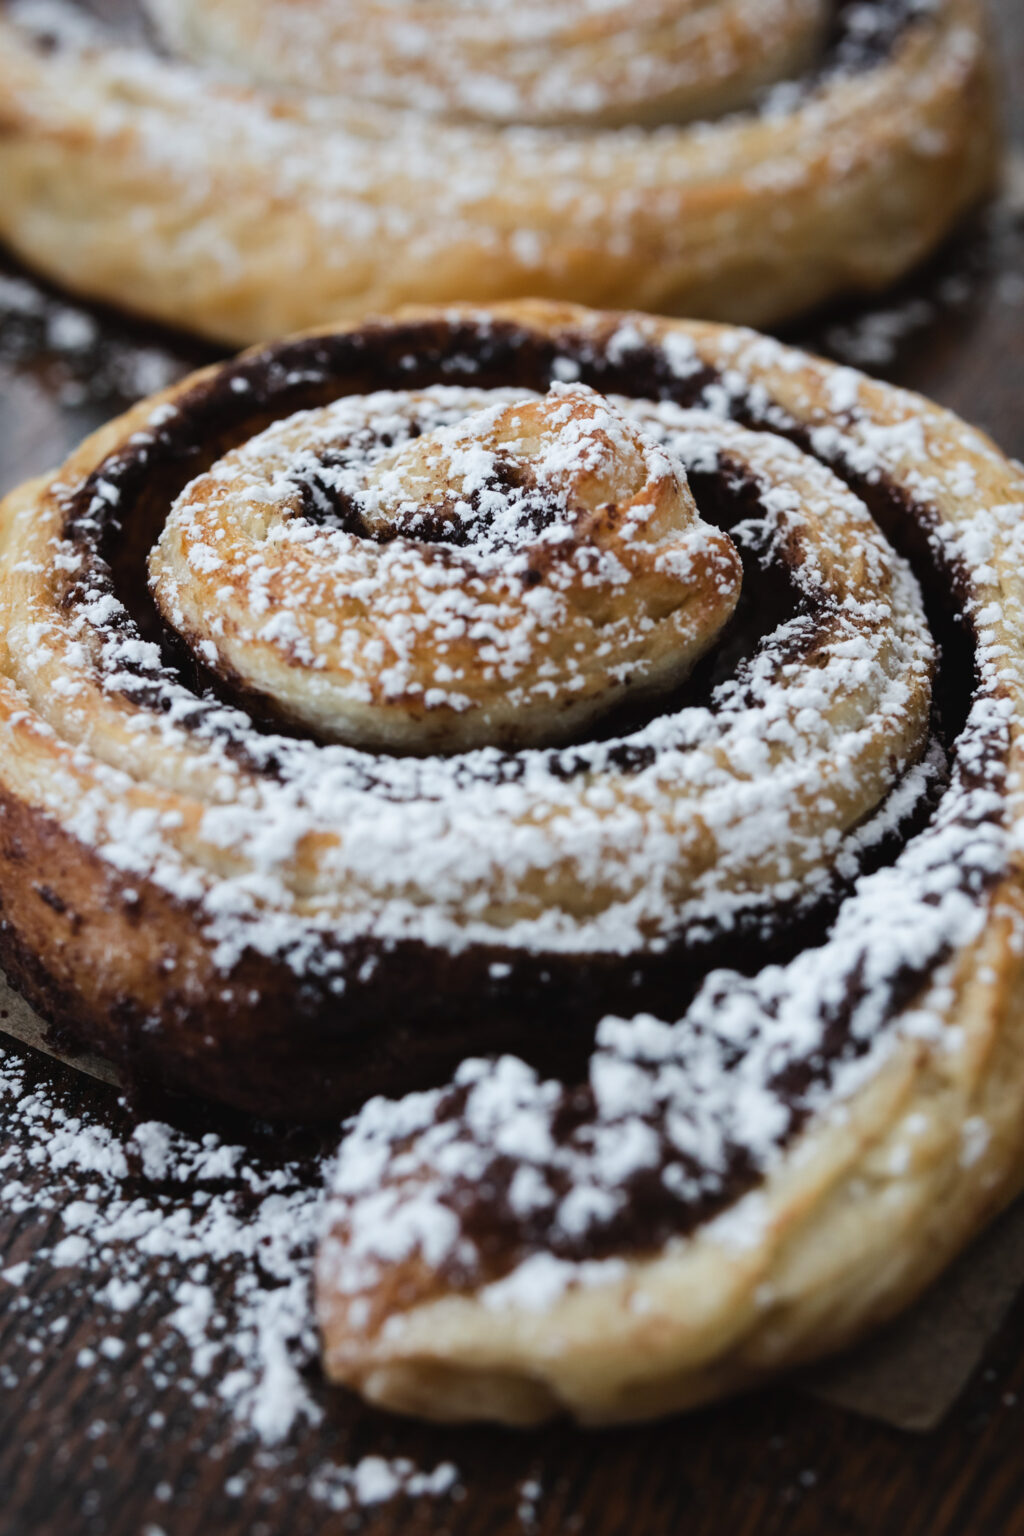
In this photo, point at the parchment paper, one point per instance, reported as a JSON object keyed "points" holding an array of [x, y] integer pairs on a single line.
{"points": [[21, 1021], [911, 1373]]}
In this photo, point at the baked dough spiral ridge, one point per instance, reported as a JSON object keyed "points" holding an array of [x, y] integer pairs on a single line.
{"points": [[245, 211]]}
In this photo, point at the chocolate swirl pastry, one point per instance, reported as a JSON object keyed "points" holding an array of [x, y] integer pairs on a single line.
{"points": [[642, 697], [329, 160]]}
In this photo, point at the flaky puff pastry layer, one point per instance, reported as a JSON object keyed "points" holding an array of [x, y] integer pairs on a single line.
{"points": [[243, 212]]}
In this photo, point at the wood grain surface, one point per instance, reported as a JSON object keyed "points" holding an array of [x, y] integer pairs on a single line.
{"points": [[113, 1449]]}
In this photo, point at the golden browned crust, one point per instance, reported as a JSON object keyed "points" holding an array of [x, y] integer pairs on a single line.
{"points": [[243, 214]]}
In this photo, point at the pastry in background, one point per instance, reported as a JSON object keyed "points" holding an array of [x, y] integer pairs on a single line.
{"points": [[297, 164]]}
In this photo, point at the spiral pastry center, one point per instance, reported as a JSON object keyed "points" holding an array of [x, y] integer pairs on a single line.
{"points": [[439, 570]]}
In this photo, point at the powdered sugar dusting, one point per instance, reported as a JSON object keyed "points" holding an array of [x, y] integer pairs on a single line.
{"points": [[196, 1254], [531, 63], [221, 1243]]}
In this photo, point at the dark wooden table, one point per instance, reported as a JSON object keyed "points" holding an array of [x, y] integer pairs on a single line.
{"points": [[777, 1462]]}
